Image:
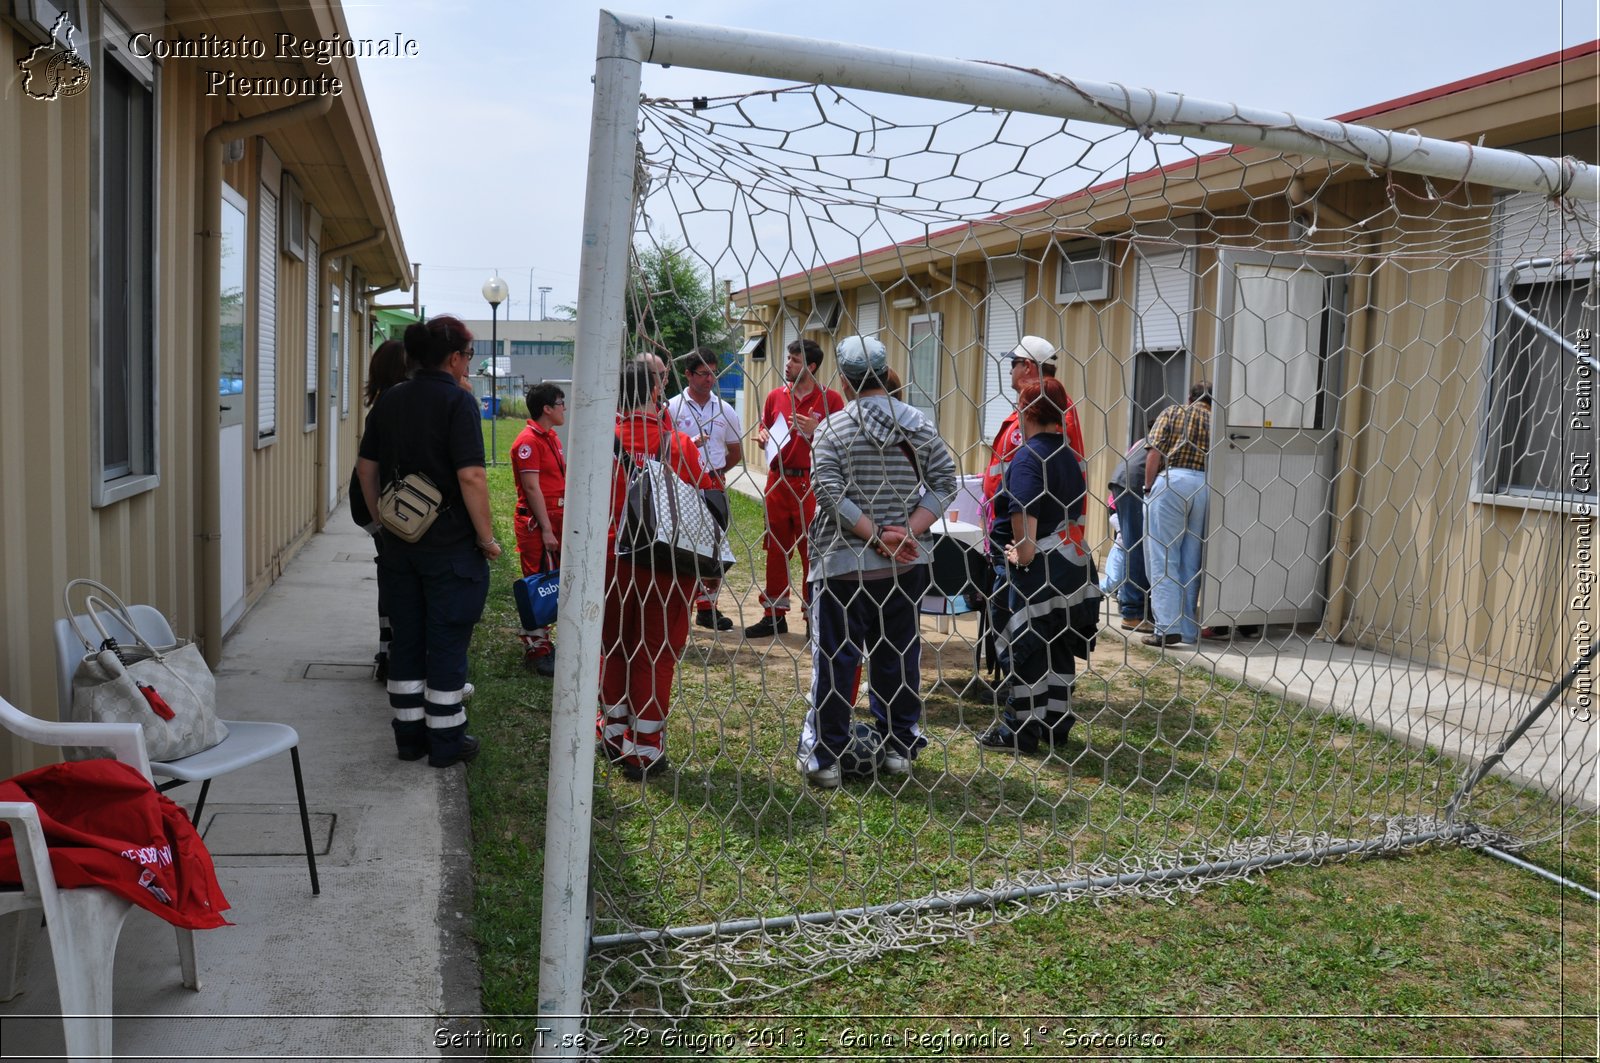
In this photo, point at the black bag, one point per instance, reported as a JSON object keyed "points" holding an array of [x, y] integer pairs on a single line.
{"points": [[358, 503], [667, 524]]}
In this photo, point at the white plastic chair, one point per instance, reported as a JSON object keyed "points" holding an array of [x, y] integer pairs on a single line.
{"points": [[84, 923], [247, 741]]}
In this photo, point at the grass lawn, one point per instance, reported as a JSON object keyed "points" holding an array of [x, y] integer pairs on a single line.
{"points": [[1435, 952]]}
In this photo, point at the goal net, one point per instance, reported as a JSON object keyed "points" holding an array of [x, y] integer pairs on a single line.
{"points": [[1392, 535]]}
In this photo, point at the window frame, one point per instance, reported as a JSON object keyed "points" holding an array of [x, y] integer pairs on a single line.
{"points": [[314, 322], [112, 482], [934, 321], [1072, 251], [1488, 487]]}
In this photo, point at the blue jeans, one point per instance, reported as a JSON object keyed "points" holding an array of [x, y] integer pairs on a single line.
{"points": [[1175, 514], [1133, 592]]}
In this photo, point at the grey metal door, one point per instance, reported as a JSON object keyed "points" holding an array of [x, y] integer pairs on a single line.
{"points": [[1280, 330]]}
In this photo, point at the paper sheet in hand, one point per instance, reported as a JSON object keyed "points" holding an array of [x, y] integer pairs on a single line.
{"points": [[777, 438]]}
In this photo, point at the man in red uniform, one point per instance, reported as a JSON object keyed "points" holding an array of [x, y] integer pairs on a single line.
{"points": [[802, 405], [541, 474]]}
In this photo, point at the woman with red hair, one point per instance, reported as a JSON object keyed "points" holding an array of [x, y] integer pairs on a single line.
{"points": [[1050, 580]]}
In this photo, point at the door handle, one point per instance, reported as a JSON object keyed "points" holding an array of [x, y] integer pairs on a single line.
{"points": [[224, 409], [1235, 435]]}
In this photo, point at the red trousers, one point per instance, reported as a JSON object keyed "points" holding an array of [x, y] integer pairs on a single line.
{"points": [[790, 507], [530, 544], [643, 633]]}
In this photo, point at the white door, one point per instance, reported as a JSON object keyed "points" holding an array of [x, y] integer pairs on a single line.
{"points": [[1280, 329], [231, 405]]}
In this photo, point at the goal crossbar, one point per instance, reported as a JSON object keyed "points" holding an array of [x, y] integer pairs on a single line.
{"points": [[670, 42]]}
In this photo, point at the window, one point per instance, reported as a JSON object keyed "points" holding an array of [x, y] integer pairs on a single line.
{"points": [[922, 367], [355, 305], [126, 448], [313, 328], [266, 315], [1160, 379], [1540, 434], [1083, 273], [755, 347], [1280, 339], [824, 313], [294, 218], [231, 311]]}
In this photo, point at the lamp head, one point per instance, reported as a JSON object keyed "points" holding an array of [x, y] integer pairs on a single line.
{"points": [[495, 290]]}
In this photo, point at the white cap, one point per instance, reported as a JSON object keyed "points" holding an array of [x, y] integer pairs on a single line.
{"points": [[1035, 349]]}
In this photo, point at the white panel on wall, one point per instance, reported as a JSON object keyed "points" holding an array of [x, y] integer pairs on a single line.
{"points": [[267, 317]]}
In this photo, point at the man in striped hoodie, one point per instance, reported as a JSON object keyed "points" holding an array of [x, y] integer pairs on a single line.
{"points": [[882, 476]]}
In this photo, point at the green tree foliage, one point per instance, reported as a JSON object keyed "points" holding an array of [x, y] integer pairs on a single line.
{"points": [[672, 307]]}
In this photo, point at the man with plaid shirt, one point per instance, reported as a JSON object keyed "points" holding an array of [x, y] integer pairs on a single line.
{"points": [[1176, 500]]}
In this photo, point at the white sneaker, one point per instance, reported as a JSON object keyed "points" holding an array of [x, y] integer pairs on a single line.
{"points": [[895, 764], [827, 778], [467, 692]]}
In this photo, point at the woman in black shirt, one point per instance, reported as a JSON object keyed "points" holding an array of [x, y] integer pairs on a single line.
{"points": [[435, 587]]}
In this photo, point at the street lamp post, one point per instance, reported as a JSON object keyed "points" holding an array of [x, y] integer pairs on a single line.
{"points": [[494, 290]]}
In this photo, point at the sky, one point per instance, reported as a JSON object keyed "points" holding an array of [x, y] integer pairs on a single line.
{"points": [[485, 131]]}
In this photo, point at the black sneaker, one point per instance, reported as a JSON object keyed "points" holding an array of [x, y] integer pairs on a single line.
{"points": [[380, 666], [638, 772], [777, 624], [1001, 735], [713, 619], [1057, 730], [464, 755], [545, 665]]}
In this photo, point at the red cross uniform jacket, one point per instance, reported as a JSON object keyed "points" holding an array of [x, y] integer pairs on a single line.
{"points": [[107, 826]]}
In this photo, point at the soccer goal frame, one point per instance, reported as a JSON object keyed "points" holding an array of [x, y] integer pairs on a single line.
{"points": [[625, 44]]}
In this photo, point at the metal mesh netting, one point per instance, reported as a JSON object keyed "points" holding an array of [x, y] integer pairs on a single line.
{"points": [[1393, 554]]}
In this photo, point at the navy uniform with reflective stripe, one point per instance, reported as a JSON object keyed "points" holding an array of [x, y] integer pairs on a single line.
{"points": [[436, 587]]}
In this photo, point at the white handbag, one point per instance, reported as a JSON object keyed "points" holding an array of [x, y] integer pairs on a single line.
{"points": [[168, 691]]}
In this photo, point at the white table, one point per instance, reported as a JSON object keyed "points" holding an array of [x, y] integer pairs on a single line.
{"points": [[961, 531]]}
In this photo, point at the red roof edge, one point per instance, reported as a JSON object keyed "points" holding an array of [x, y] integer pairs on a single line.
{"points": [[1577, 51]]}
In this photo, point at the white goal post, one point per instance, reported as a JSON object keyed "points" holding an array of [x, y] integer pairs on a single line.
{"points": [[626, 43]]}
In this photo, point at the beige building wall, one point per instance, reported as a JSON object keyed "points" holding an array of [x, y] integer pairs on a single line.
{"points": [[147, 545], [1435, 571]]}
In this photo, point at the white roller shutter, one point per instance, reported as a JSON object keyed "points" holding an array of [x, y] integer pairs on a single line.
{"points": [[869, 316], [1002, 331], [313, 318], [267, 317], [350, 320], [1163, 301]]}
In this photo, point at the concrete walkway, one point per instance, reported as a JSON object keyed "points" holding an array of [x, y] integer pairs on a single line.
{"points": [[1423, 706], [380, 960]]}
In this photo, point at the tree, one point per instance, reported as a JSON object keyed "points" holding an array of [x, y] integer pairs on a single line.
{"points": [[672, 308]]}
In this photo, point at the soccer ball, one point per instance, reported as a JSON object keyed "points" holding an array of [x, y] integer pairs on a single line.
{"points": [[864, 753]]}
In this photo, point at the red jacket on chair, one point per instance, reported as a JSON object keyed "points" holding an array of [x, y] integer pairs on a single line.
{"points": [[107, 826]]}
